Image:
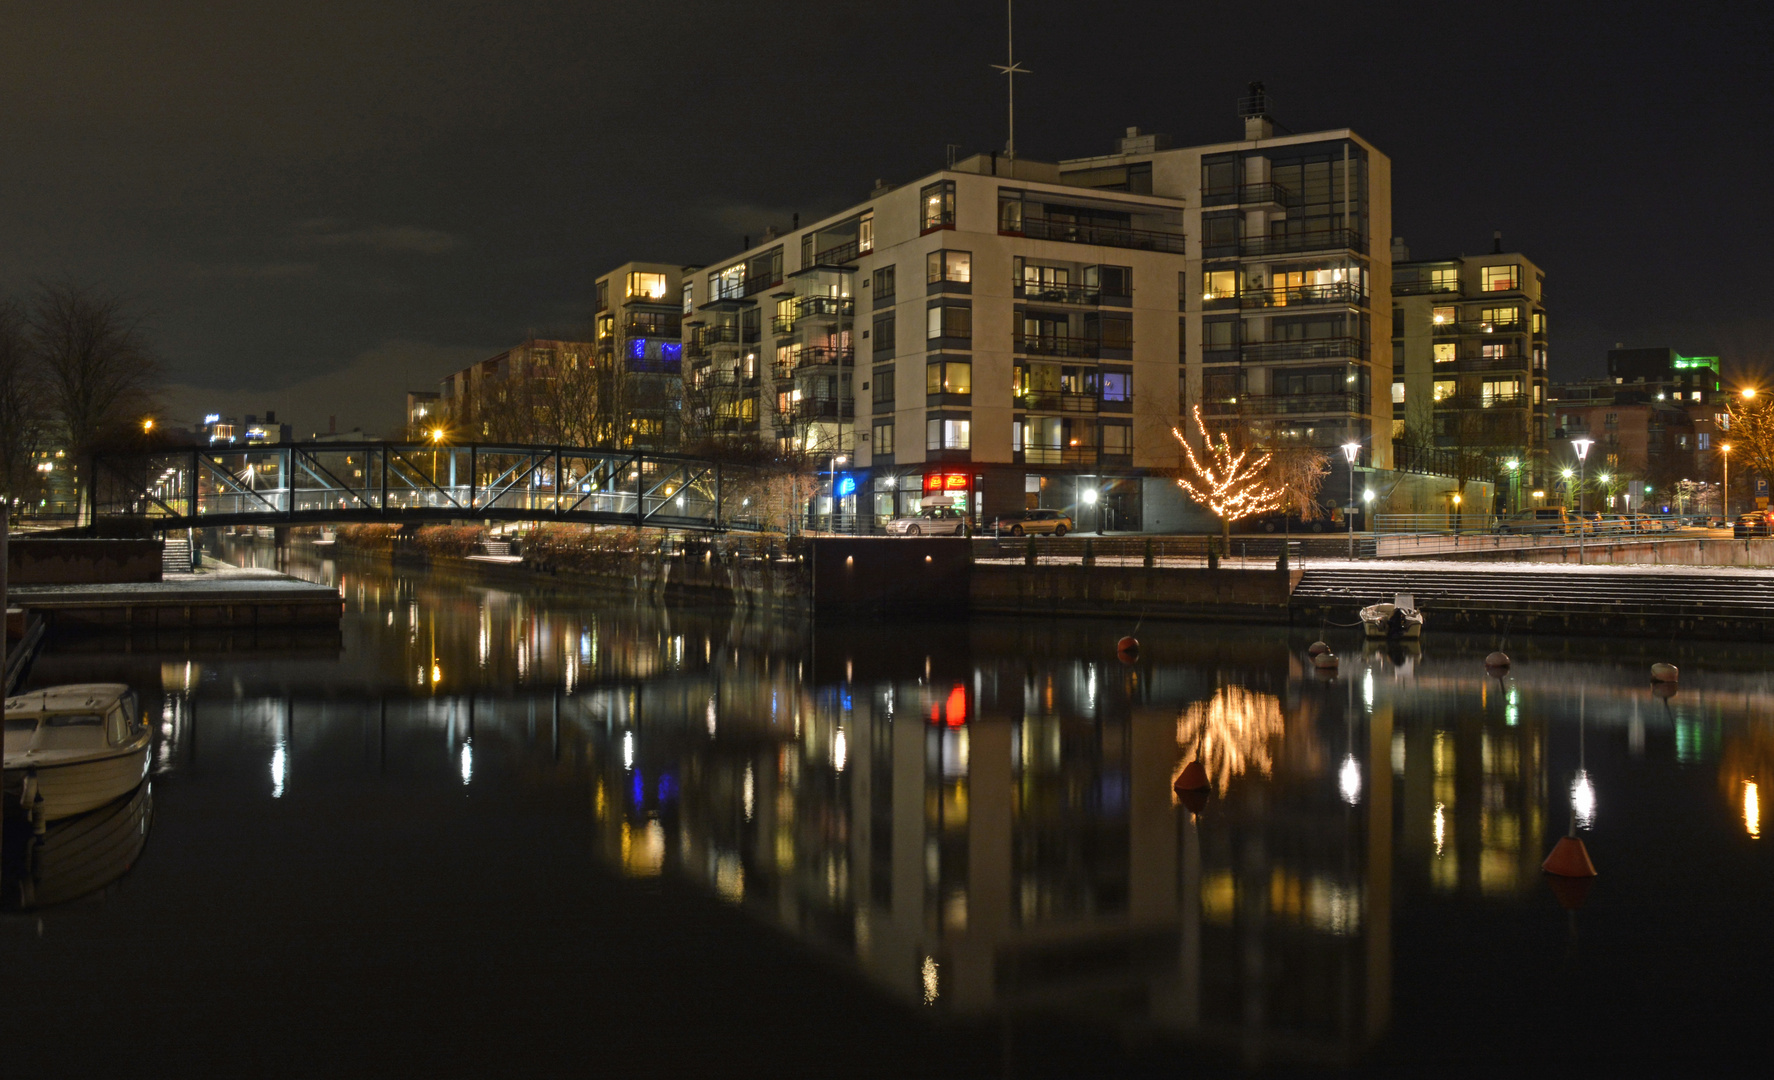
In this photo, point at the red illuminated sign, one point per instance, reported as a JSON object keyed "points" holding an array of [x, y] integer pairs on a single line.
{"points": [[953, 711], [940, 481]]}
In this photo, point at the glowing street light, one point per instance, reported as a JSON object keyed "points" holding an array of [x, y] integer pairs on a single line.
{"points": [[1350, 451], [1725, 488]]}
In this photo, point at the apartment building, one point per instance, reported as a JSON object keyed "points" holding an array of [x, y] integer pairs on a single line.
{"points": [[1469, 348], [1656, 421], [1069, 315], [511, 395], [640, 352]]}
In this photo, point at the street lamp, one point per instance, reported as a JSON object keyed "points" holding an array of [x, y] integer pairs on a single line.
{"points": [[1582, 447], [1350, 450], [1514, 468], [1725, 488]]}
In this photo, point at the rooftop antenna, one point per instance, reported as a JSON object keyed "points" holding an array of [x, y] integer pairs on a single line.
{"points": [[1011, 70]]}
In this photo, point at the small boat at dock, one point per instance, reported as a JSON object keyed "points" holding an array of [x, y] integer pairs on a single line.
{"points": [[70, 749], [1399, 620]]}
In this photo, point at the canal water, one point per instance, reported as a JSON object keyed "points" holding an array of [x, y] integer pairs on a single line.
{"points": [[513, 829]]}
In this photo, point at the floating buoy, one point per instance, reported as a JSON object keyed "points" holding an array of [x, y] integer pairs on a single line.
{"points": [[1664, 673], [1192, 778], [1497, 660], [1325, 661], [1128, 649], [1194, 798], [1317, 648], [1664, 690], [1569, 858], [1570, 892]]}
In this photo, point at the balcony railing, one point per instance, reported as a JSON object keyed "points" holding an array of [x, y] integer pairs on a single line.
{"points": [[1325, 240], [1301, 404], [1311, 349], [1435, 461], [1255, 194], [1424, 288], [1055, 454], [1478, 326], [840, 254], [1060, 294], [824, 356], [731, 379], [1121, 236], [824, 409], [1342, 292], [813, 307], [1486, 363], [1055, 401], [757, 283], [649, 328], [1049, 345], [1482, 401]]}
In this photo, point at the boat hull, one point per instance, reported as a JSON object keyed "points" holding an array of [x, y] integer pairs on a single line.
{"points": [[1376, 620], [86, 853], [79, 786]]}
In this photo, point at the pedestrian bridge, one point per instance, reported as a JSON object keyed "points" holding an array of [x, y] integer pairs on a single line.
{"points": [[332, 482]]}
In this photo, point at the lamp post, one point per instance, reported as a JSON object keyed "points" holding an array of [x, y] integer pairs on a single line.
{"points": [[1514, 499], [1725, 487], [1350, 450], [1582, 447]]}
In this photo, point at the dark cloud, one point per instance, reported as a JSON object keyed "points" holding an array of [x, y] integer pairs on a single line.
{"points": [[290, 187]]}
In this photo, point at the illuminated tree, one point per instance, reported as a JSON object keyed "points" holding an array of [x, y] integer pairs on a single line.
{"points": [[1231, 733], [1231, 484], [1752, 435]]}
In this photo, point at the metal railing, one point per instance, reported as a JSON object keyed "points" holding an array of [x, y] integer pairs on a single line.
{"points": [[1300, 404], [1057, 454], [1035, 228], [1253, 194], [1055, 401], [1399, 535], [1054, 345], [1300, 295], [1060, 294], [1424, 288], [824, 409], [838, 254], [1478, 326], [1323, 240], [1343, 348], [759, 282], [1437, 461]]}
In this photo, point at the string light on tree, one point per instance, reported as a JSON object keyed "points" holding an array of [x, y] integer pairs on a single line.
{"points": [[1231, 484]]}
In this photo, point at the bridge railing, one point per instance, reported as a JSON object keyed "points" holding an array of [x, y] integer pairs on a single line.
{"points": [[389, 481]]}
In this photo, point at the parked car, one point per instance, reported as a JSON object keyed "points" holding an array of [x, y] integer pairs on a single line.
{"points": [[930, 521], [1034, 522], [1543, 519], [1755, 523]]}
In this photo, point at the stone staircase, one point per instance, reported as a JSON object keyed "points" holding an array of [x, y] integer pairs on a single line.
{"points": [[175, 557]]}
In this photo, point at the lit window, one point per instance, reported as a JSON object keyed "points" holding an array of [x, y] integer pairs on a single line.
{"points": [[953, 377], [1116, 386], [1398, 392], [1444, 389], [948, 434], [1539, 322], [1500, 278], [938, 203], [1498, 318], [956, 266], [949, 321], [1499, 392], [883, 439], [1446, 352], [865, 233], [689, 296], [1447, 280], [1219, 284], [1444, 316], [646, 286]]}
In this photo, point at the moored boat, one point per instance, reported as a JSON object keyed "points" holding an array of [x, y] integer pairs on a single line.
{"points": [[70, 749], [1398, 620]]}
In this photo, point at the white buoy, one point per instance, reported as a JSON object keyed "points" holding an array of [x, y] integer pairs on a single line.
{"points": [[1497, 659], [1664, 673], [1317, 648], [1325, 661]]}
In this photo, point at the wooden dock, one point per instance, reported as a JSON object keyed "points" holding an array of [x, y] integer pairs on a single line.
{"points": [[218, 599]]}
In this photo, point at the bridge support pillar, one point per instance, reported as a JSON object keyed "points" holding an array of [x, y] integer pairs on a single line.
{"points": [[281, 541]]}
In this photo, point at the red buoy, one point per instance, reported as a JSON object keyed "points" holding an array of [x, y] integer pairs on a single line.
{"points": [[1569, 858], [1192, 778], [1195, 799], [1128, 649]]}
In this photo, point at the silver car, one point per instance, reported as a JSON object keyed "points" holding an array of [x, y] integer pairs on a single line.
{"points": [[930, 521]]}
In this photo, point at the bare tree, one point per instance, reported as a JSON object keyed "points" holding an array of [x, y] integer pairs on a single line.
{"points": [[22, 411], [1299, 472], [100, 377]]}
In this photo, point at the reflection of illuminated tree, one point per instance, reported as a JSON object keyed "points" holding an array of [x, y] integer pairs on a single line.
{"points": [[1230, 733], [1746, 775]]}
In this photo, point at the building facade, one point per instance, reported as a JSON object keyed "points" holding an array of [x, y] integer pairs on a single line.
{"points": [[1470, 387], [519, 395], [1069, 316], [639, 358]]}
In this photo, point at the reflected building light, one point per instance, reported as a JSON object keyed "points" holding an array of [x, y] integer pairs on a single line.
{"points": [[279, 769], [643, 849], [1367, 690], [711, 717], [1398, 753], [1583, 800], [1349, 780], [1231, 733], [1440, 827], [467, 761], [1752, 809], [628, 751], [730, 877], [932, 987], [840, 750], [748, 791], [1512, 708]]}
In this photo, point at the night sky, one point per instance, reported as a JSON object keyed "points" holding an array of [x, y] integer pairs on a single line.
{"points": [[323, 204]]}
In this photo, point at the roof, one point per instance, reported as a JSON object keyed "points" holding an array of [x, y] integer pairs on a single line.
{"points": [[74, 697]]}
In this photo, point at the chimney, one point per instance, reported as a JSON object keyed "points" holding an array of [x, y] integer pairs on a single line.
{"points": [[797, 223], [1135, 143], [745, 241], [270, 417], [1400, 253], [881, 188], [1254, 107], [1497, 242], [769, 234]]}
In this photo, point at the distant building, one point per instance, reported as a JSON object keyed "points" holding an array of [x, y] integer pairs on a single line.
{"points": [[514, 395], [1469, 358], [1655, 420], [423, 408], [219, 430], [640, 355]]}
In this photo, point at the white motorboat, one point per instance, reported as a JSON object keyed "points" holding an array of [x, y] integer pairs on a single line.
{"points": [[1399, 619], [82, 854], [70, 749]]}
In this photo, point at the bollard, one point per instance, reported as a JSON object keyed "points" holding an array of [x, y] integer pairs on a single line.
{"points": [[1029, 553], [1089, 553], [1281, 563], [1149, 560], [1213, 553]]}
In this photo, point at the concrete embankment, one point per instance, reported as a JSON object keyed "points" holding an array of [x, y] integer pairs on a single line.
{"points": [[224, 598], [1699, 551]]}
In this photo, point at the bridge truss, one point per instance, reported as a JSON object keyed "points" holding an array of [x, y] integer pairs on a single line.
{"points": [[296, 483]]}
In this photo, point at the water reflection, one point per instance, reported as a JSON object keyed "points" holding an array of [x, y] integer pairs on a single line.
{"points": [[75, 856], [981, 818]]}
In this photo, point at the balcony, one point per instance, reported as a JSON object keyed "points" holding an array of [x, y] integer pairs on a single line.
{"points": [[824, 409], [1055, 454], [1342, 292], [1482, 401], [818, 308], [1477, 327], [1054, 401], [812, 356], [1266, 194], [1121, 236], [1326, 240], [1343, 348], [1486, 363], [664, 328], [841, 254], [730, 379], [1301, 404], [1424, 288], [1088, 295], [1049, 345], [757, 283], [1434, 461]]}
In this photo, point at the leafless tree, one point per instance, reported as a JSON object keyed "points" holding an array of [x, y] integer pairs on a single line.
{"points": [[1299, 472], [22, 413], [100, 377]]}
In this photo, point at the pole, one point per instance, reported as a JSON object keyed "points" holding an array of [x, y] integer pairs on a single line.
{"points": [[1350, 513], [1582, 526], [1725, 490]]}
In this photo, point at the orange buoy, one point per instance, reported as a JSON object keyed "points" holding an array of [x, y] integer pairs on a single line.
{"points": [[1569, 858], [1192, 778], [1317, 648], [1128, 649], [1497, 659], [1195, 799], [1570, 892]]}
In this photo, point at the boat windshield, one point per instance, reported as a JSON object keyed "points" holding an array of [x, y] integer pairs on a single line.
{"points": [[18, 724], [71, 731]]}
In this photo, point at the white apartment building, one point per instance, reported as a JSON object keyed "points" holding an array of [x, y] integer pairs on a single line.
{"points": [[1008, 333]]}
